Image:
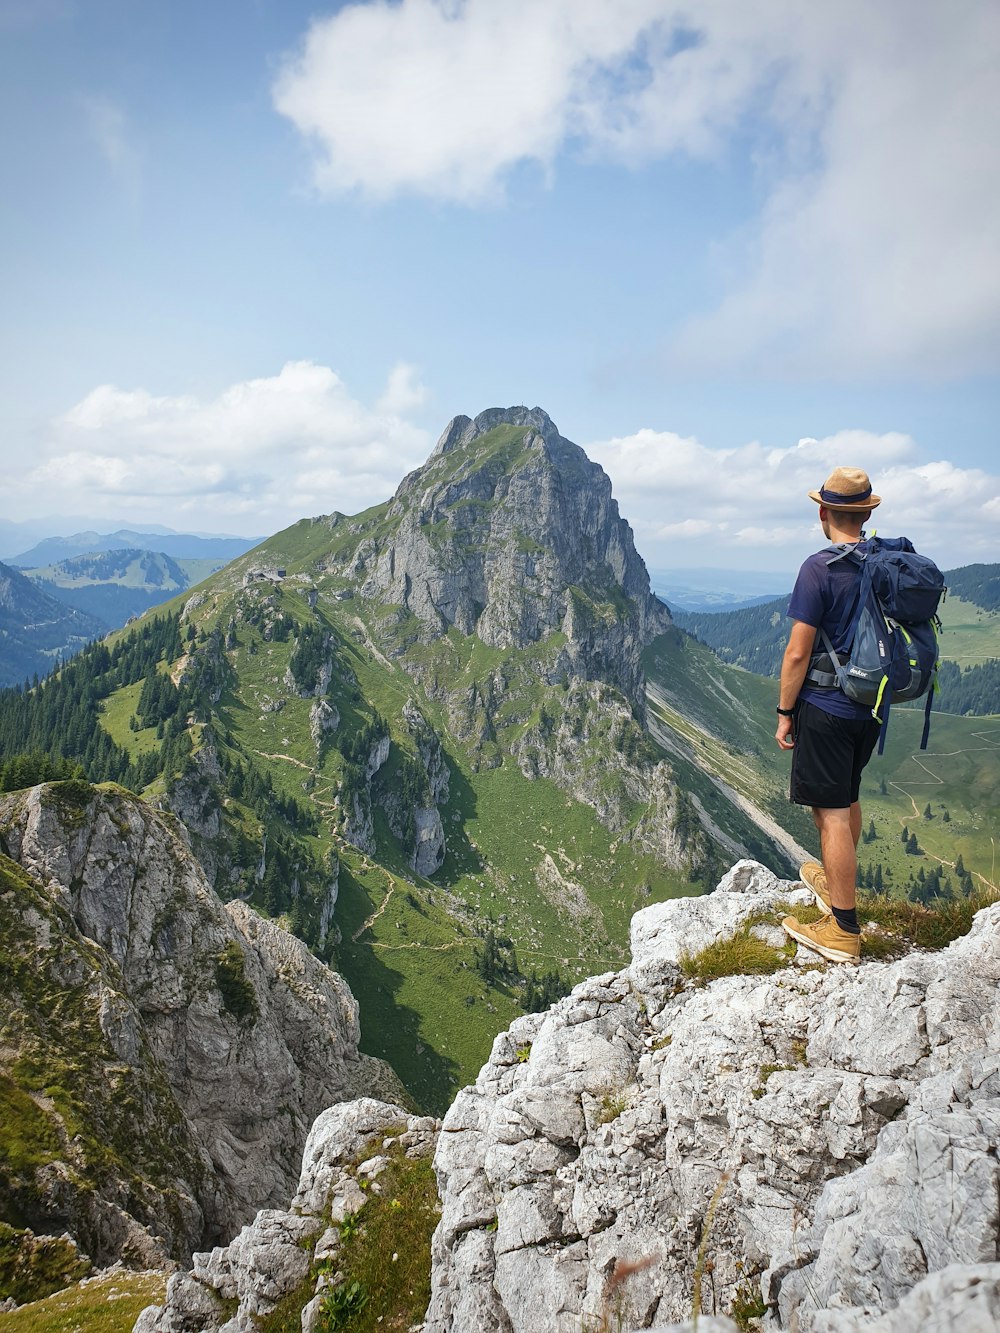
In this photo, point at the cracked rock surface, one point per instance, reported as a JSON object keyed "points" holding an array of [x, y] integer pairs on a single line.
{"points": [[833, 1130]]}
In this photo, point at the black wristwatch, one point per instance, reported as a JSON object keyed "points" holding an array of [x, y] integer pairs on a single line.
{"points": [[786, 712]]}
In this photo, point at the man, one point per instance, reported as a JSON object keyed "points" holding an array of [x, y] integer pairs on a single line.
{"points": [[830, 736]]}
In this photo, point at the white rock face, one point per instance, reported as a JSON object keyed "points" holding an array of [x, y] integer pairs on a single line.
{"points": [[428, 842], [838, 1126], [247, 1083]]}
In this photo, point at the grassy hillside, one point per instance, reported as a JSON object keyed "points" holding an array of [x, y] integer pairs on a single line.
{"points": [[525, 861]]}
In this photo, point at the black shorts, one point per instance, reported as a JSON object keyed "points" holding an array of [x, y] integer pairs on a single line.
{"points": [[829, 755]]}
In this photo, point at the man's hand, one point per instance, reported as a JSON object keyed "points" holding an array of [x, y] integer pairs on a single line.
{"points": [[785, 733]]}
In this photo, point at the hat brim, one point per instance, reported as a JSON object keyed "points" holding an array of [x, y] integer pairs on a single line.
{"points": [[869, 503]]}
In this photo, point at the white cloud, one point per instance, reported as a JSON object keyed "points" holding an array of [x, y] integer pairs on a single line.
{"points": [[264, 452], [872, 127], [744, 508]]}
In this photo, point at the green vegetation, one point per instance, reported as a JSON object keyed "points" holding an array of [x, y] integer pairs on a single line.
{"points": [[34, 1267], [743, 953], [238, 994], [107, 1304], [383, 1265], [890, 928], [388, 1255]]}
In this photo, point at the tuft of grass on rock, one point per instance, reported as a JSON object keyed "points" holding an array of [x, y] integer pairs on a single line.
{"points": [[739, 954], [891, 927]]}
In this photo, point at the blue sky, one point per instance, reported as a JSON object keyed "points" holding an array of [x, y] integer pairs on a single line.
{"points": [[256, 253]]}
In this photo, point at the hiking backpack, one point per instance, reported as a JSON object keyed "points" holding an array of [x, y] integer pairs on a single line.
{"points": [[892, 629]]}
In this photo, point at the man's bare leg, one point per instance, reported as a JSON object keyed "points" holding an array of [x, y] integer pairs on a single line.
{"points": [[839, 831]]}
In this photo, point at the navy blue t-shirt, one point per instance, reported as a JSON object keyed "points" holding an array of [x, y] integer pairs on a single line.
{"points": [[822, 596]]}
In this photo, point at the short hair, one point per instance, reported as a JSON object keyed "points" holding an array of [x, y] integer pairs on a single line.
{"points": [[852, 519]]}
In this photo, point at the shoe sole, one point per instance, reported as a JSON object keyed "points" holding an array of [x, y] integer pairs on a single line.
{"points": [[821, 903], [833, 955]]}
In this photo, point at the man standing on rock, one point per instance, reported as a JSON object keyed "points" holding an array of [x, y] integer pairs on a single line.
{"points": [[831, 737]]}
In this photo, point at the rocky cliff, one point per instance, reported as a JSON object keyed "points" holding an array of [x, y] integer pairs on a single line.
{"points": [[510, 532], [819, 1146], [814, 1150], [164, 1053]]}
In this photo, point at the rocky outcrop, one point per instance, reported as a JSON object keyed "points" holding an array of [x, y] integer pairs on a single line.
{"points": [[428, 842], [828, 1136], [510, 532], [348, 1148], [244, 1034]]}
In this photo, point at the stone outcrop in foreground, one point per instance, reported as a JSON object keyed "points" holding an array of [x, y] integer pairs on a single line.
{"points": [[834, 1131], [344, 1156], [825, 1137]]}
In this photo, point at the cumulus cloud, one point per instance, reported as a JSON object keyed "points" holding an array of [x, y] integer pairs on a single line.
{"points": [[872, 128], [261, 454], [747, 507]]}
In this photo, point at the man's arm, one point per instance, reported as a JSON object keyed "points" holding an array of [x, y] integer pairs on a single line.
{"points": [[794, 666]]}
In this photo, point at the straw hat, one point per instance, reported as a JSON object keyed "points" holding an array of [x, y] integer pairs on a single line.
{"points": [[846, 488]]}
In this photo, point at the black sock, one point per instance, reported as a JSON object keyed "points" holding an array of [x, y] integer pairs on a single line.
{"points": [[847, 919]]}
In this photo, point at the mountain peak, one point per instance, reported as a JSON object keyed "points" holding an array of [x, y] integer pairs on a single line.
{"points": [[462, 430]]}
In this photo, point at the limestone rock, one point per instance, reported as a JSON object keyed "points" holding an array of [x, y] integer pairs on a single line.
{"points": [[835, 1130], [428, 842], [495, 543], [249, 1034]]}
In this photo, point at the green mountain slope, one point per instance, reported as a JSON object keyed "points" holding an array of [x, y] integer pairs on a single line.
{"points": [[947, 796]]}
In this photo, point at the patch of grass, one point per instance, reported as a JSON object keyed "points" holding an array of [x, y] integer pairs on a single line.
{"points": [[748, 1305], [739, 954], [892, 927], [388, 1255], [238, 994], [613, 1102], [107, 1304]]}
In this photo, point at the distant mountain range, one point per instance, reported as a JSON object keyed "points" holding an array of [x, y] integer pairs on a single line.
{"points": [[179, 545], [715, 589], [36, 629], [104, 579]]}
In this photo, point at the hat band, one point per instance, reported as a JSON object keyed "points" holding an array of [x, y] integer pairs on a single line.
{"points": [[835, 497]]}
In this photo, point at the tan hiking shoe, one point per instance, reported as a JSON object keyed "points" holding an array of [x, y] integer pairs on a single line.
{"points": [[813, 876], [826, 938]]}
